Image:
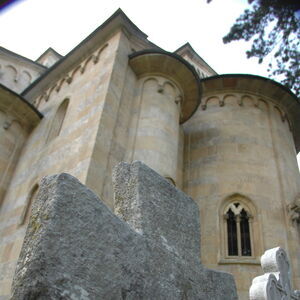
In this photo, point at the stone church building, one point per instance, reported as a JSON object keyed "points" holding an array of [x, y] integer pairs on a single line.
{"points": [[228, 141]]}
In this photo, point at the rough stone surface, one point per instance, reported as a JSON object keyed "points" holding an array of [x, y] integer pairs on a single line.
{"points": [[76, 248], [275, 284], [156, 209]]}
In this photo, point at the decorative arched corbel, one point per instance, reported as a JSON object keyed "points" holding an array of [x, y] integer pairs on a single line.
{"points": [[38, 101], [96, 56], [240, 101], [83, 67], [294, 211], [68, 79], [256, 102], [46, 97], [95, 59], [160, 88], [62, 80], [52, 89], [7, 124], [178, 100], [57, 89]]}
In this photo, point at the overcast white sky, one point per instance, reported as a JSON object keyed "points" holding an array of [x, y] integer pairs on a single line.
{"points": [[29, 27]]}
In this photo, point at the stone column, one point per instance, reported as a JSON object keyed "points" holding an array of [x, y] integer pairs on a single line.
{"points": [[157, 133]]}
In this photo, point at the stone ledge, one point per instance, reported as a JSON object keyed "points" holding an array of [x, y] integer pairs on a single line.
{"points": [[249, 261]]}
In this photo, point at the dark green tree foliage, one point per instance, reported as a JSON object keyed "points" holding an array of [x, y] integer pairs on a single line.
{"points": [[274, 28]]}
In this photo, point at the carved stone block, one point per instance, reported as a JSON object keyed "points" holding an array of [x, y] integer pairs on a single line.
{"points": [[76, 248], [275, 284]]}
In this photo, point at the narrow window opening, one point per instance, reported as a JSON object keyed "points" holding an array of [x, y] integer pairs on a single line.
{"points": [[245, 234], [232, 233], [238, 230], [27, 209], [58, 120]]}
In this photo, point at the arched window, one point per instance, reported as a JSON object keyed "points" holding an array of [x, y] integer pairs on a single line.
{"points": [[238, 230], [58, 120], [171, 180], [27, 208], [231, 233]]}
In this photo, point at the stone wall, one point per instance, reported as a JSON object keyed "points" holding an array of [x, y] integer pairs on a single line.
{"points": [[17, 72], [70, 151], [239, 149]]}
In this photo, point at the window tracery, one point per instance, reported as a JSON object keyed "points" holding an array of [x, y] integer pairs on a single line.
{"points": [[238, 230]]}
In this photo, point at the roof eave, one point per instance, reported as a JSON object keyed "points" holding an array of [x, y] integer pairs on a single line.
{"points": [[187, 47], [261, 86], [117, 20]]}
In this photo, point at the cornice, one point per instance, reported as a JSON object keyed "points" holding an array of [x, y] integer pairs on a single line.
{"points": [[156, 61], [18, 107], [262, 87], [116, 22]]}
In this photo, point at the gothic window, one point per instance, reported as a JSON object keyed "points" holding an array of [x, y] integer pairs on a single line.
{"points": [[231, 233], [238, 220], [28, 205], [58, 120]]}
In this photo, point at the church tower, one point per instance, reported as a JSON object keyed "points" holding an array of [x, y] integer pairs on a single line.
{"points": [[228, 141], [240, 167]]}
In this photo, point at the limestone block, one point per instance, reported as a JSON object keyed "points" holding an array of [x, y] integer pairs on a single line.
{"points": [[275, 284], [76, 248], [153, 207]]}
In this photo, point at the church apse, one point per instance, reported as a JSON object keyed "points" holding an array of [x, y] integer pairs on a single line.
{"points": [[242, 140], [168, 93], [157, 133]]}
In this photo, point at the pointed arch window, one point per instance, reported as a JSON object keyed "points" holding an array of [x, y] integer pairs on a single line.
{"points": [[238, 229], [58, 120], [231, 233], [28, 205]]}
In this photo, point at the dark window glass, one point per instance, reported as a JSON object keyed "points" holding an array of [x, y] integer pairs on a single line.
{"points": [[232, 234], [245, 234]]}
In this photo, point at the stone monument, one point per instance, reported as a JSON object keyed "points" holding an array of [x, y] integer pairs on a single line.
{"points": [[76, 248], [275, 284]]}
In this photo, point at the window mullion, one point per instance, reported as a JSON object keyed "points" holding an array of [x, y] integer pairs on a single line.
{"points": [[238, 235], [250, 220]]}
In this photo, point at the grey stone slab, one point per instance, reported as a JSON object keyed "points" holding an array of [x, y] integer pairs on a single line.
{"points": [[152, 206], [76, 248]]}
